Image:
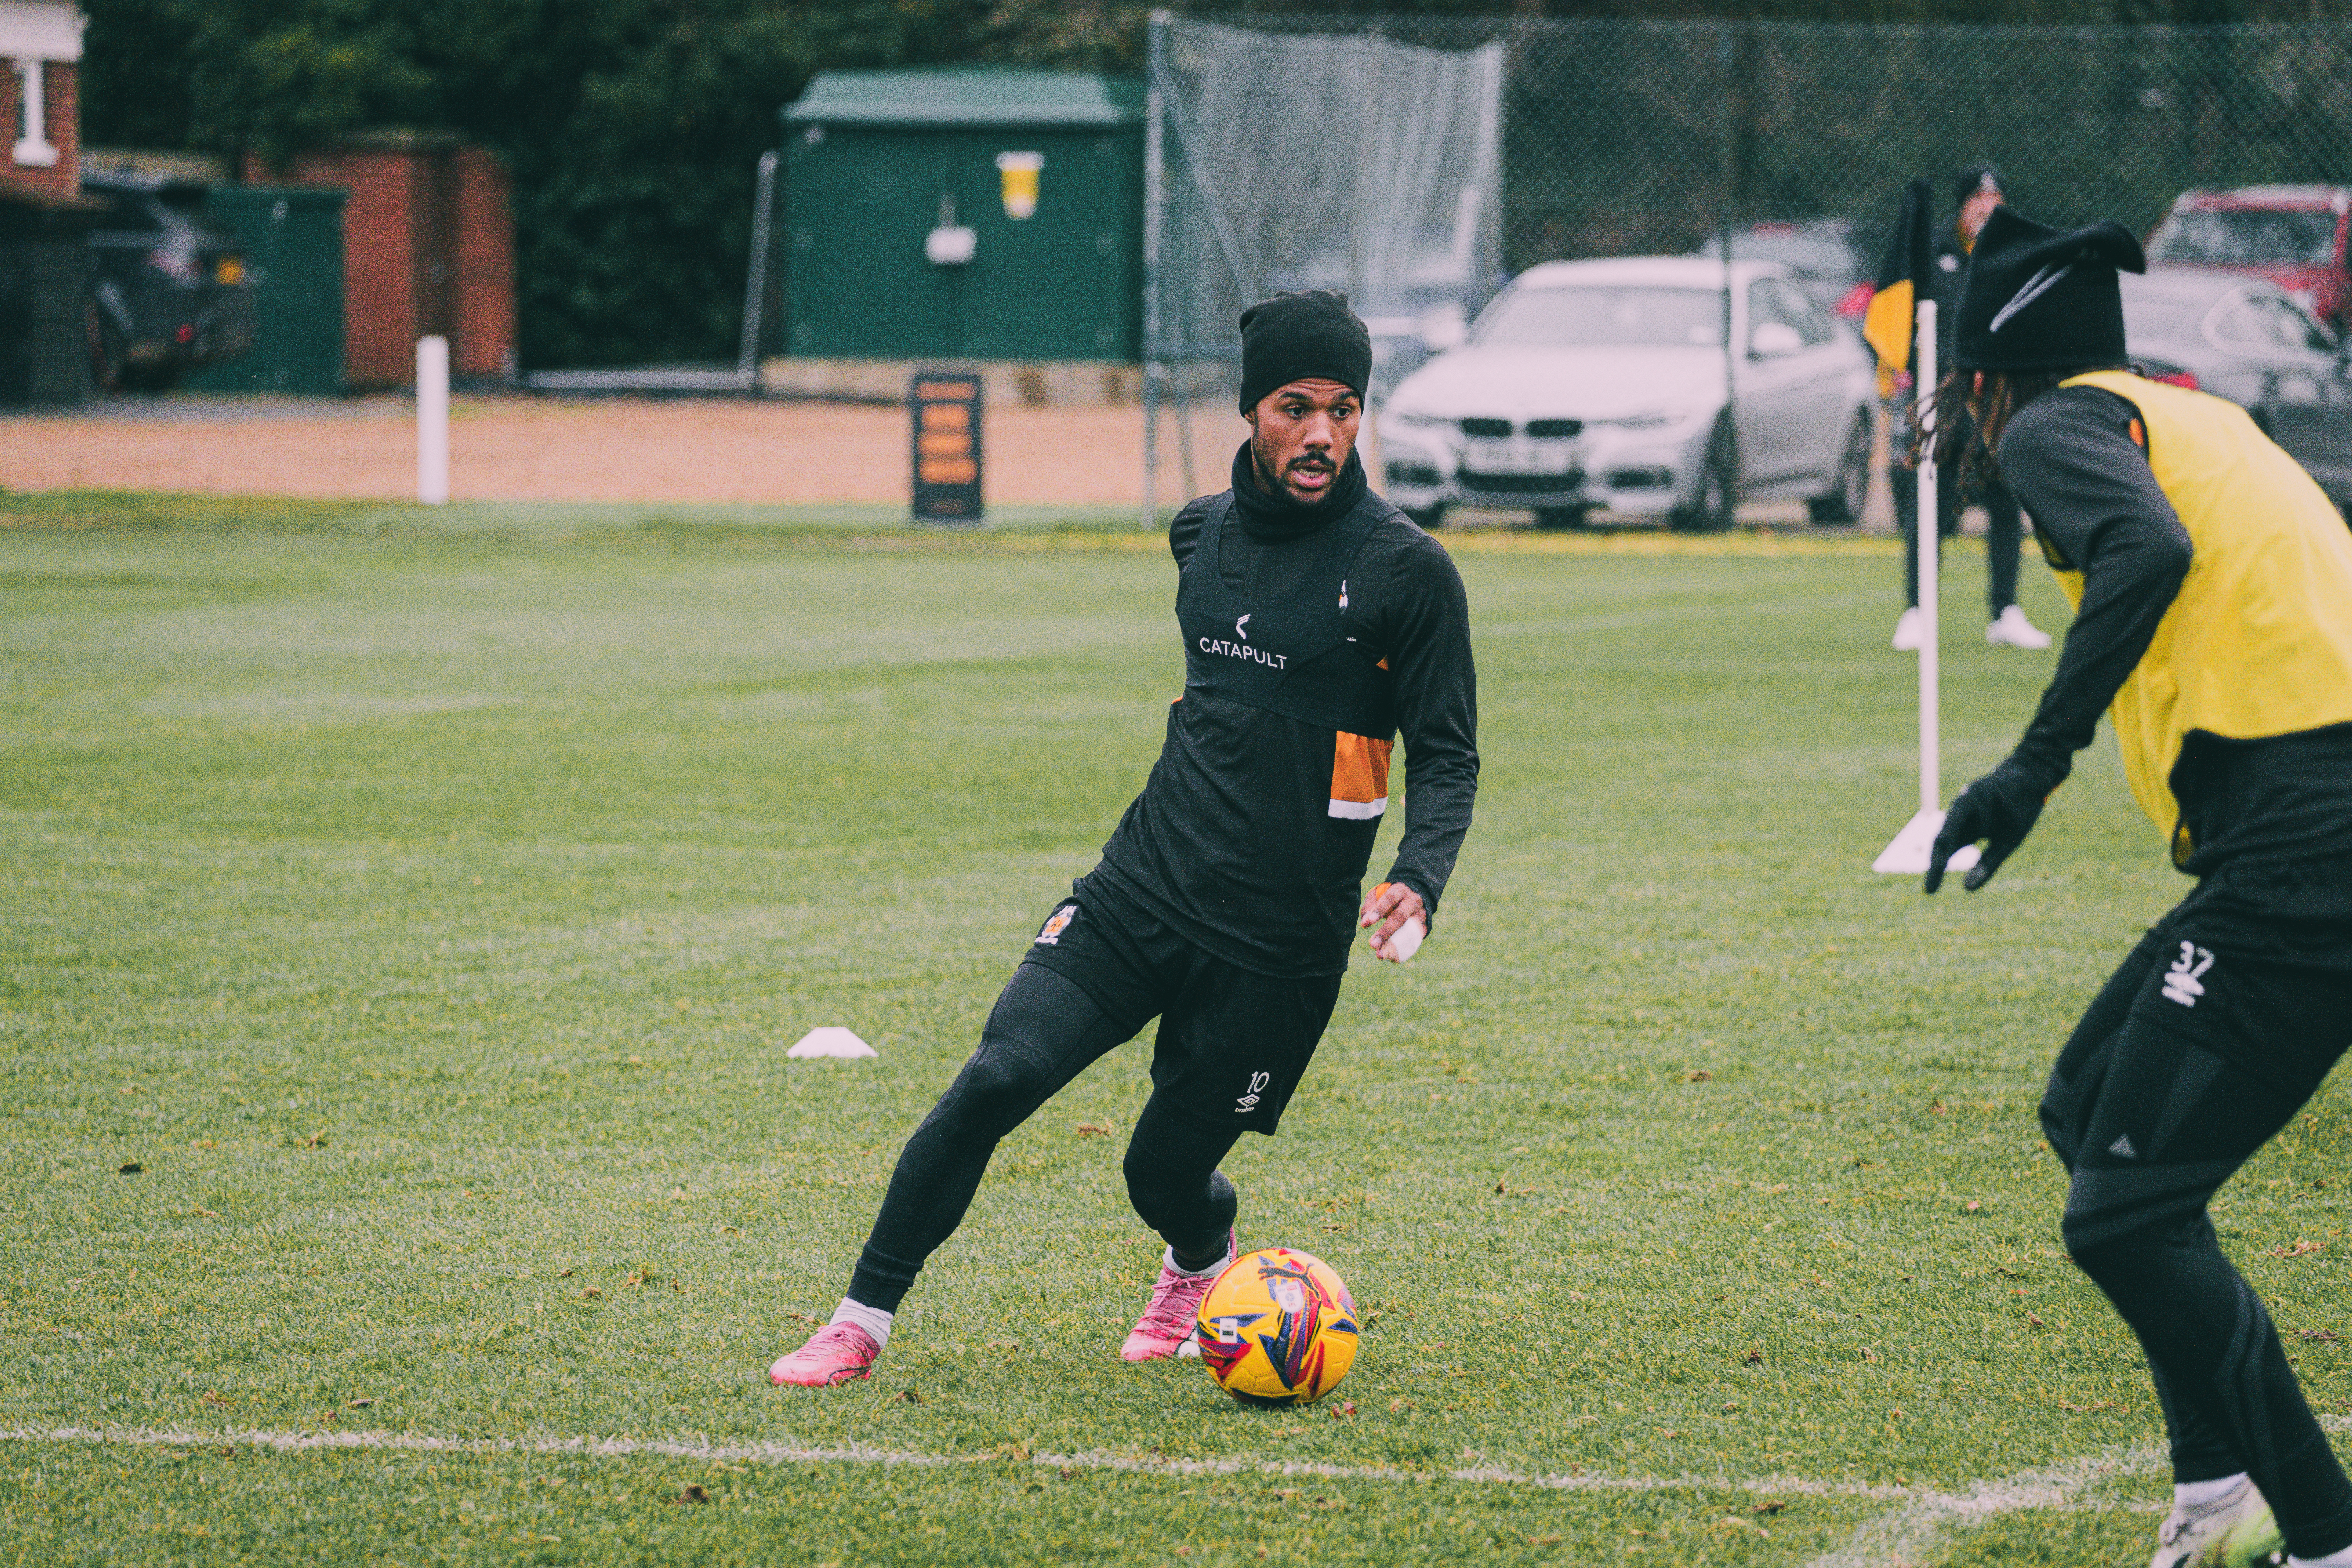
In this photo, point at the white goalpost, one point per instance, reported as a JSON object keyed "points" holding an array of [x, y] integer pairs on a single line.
{"points": [[1908, 853]]}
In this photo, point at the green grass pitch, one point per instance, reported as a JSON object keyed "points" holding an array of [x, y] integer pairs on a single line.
{"points": [[422, 905]]}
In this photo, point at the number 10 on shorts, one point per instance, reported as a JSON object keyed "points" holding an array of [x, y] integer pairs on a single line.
{"points": [[1258, 1081]]}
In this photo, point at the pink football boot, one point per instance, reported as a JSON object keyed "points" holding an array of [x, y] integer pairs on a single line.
{"points": [[834, 1353], [1168, 1321]]}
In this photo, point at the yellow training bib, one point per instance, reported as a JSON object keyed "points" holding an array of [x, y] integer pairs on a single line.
{"points": [[2259, 642]]}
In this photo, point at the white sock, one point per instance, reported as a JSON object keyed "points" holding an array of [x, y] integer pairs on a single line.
{"points": [[1168, 1261], [873, 1320], [2194, 1495], [2333, 1560]]}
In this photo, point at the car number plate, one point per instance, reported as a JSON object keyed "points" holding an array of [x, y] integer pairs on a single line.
{"points": [[1519, 458]]}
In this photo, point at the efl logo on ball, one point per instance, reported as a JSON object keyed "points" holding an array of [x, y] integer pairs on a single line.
{"points": [[1278, 1328]]}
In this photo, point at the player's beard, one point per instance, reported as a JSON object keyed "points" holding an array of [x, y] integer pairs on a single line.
{"points": [[1271, 482]]}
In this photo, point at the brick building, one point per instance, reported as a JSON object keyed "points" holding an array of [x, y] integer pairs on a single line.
{"points": [[39, 109], [428, 248], [43, 222]]}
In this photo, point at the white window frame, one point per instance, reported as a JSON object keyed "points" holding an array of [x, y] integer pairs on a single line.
{"points": [[34, 149]]}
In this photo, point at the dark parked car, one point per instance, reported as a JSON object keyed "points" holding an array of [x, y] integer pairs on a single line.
{"points": [[2246, 339], [167, 293]]}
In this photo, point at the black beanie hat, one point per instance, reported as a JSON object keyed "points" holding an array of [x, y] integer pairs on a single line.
{"points": [[1307, 336], [2036, 299], [1975, 180]]}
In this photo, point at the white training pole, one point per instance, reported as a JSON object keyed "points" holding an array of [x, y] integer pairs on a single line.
{"points": [[1908, 855], [1927, 540], [433, 421]]}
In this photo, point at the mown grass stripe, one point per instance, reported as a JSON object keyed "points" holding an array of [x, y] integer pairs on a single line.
{"points": [[867, 1454]]}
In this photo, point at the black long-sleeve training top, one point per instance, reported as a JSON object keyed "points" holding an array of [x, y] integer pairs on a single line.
{"points": [[2276, 811], [1265, 877]]}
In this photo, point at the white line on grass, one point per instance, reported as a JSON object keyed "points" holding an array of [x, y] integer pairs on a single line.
{"points": [[1914, 1532], [863, 1454]]}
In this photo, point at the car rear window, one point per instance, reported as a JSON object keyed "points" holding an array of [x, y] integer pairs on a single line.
{"points": [[2247, 237], [1604, 316]]}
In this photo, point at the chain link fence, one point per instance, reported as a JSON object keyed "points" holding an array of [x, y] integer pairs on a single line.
{"points": [[1419, 162]]}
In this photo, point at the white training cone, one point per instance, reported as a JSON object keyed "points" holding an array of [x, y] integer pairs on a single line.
{"points": [[830, 1041]]}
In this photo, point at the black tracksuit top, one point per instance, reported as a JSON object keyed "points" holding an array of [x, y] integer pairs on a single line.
{"points": [[1241, 838]]}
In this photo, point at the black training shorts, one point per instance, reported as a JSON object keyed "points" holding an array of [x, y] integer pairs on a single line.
{"points": [[2203, 1044], [1232, 1044]]}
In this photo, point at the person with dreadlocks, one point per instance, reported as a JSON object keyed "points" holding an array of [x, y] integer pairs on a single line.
{"points": [[2212, 586]]}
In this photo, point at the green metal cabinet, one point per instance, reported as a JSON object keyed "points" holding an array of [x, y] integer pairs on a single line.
{"points": [[1044, 169], [293, 244]]}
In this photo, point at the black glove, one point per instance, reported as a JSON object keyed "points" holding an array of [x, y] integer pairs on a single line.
{"points": [[1999, 808]]}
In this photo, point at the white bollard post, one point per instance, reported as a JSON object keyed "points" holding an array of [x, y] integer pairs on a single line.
{"points": [[433, 421]]}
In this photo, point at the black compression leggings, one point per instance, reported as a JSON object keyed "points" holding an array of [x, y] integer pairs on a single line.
{"points": [[2151, 1125], [1045, 1031], [2004, 534]]}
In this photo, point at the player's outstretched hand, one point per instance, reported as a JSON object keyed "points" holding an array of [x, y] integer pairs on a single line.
{"points": [[1394, 907], [2000, 809]]}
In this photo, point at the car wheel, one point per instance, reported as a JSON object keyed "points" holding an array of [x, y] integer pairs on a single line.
{"points": [[1710, 509], [105, 351], [1561, 516], [1427, 518], [1845, 503]]}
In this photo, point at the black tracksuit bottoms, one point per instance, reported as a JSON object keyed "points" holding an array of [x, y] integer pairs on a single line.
{"points": [[2202, 1047], [1232, 1045]]}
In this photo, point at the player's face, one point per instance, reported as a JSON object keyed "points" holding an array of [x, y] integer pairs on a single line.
{"points": [[1300, 437], [1974, 211]]}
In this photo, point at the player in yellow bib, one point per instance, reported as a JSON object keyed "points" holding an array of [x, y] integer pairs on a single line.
{"points": [[2212, 586]]}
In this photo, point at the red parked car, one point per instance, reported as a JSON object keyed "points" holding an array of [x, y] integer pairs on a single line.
{"points": [[2295, 236]]}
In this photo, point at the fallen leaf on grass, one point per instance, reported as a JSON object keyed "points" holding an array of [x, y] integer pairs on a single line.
{"points": [[1543, 1540], [2096, 1404], [2297, 1250], [1974, 1207], [1344, 1410], [2325, 1336], [1016, 1452], [592, 1291], [1699, 1074], [566, 1274], [362, 1404], [1069, 1472], [692, 1494], [1869, 1354], [1753, 1358], [1770, 1505], [908, 1396], [130, 1169], [214, 1400], [2034, 1320], [1094, 1129]]}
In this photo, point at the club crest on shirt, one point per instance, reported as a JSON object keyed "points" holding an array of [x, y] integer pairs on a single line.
{"points": [[1055, 924]]}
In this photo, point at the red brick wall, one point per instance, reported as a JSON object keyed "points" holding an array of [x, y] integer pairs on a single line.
{"points": [[483, 303], [62, 99], [428, 245]]}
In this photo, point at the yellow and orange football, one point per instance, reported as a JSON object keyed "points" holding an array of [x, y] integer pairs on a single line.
{"points": [[1278, 1328]]}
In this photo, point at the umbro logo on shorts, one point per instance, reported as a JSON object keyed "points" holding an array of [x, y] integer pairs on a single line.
{"points": [[2185, 981], [1258, 1081]]}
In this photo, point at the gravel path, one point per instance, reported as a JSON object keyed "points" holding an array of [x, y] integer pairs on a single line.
{"points": [[633, 449]]}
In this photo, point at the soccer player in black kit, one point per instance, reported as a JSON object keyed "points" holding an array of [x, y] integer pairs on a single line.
{"points": [[1319, 623], [2212, 582]]}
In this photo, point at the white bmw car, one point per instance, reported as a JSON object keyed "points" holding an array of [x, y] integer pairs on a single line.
{"points": [[1600, 385]]}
